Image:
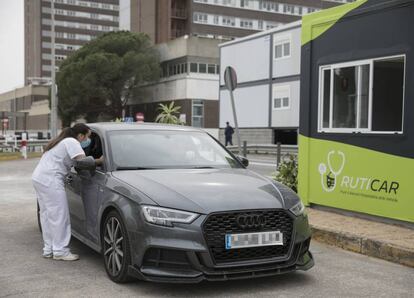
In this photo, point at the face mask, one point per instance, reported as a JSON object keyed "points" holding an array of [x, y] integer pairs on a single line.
{"points": [[85, 143]]}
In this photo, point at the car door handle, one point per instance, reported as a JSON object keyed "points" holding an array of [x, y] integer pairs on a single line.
{"points": [[69, 179]]}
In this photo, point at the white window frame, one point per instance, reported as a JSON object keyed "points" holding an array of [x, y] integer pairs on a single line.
{"points": [[281, 89], [202, 117], [200, 18], [281, 40], [355, 63]]}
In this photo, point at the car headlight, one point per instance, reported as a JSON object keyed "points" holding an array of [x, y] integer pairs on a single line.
{"points": [[166, 217], [298, 209]]}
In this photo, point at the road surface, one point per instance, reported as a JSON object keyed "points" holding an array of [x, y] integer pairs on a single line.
{"points": [[24, 273]]}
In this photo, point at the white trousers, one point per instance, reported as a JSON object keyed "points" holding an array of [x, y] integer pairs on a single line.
{"points": [[54, 217]]}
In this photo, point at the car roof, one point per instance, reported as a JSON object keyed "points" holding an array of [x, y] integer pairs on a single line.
{"points": [[117, 126]]}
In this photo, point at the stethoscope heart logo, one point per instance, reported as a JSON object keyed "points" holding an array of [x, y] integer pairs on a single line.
{"points": [[330, 184]]}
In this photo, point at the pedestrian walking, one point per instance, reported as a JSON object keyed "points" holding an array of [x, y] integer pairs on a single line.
{"points": [[228, 133], [48, 181]]}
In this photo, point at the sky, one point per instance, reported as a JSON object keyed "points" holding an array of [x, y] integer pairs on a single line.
{"points": [[11, 44]]}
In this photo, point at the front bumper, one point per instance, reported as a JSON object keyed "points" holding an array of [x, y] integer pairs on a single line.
{"points": [[304, 262], [181, 255]]}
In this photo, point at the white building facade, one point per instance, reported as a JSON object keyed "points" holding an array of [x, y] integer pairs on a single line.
{"points": [[267, 65]]}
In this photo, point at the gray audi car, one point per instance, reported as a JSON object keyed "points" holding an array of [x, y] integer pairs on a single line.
{"points": [[171, 204]]}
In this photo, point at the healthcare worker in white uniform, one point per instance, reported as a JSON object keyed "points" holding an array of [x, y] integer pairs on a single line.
{"points": [[48, 180]]}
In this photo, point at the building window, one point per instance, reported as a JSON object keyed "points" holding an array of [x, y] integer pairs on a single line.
{"points": [[202, 68], [229, 2], [200, 17], [228, 21], [59, 57], [244, 3], [270, 25], [94, 5], [94, 16], [212, 68], [362, 96], [59, 34], [282, 47], [288, 8], [193, 67], [106, 6], [216, 20], [281, 97], [197, 119], [71, 35], [248, 24]]}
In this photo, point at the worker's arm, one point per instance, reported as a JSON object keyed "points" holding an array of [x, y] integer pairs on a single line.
{"points": [[99, 161], [83, 162]]}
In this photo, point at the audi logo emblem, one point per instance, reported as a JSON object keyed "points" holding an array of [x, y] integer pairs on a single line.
{"points": [[251, 221]]}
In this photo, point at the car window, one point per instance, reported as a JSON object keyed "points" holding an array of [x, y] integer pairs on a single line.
{"points": [[167, 149]]}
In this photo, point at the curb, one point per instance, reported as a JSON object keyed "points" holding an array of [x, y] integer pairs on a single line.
{"points": [[365, 246]]}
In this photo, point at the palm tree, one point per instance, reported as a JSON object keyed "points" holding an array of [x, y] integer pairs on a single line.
{"points": [[168, 114]]}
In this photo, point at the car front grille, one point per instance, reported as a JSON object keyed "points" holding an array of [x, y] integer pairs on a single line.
{"points": [[217, 225]]}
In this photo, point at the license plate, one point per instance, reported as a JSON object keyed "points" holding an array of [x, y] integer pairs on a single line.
{"points": [[253, 239]]}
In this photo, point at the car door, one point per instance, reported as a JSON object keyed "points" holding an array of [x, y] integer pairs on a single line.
{"points": [[73, 194], [91, 190]]}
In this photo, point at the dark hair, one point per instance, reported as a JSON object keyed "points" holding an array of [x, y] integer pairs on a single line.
{"points": [[68, 132]]}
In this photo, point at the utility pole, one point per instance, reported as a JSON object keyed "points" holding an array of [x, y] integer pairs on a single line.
{"points": [[53, 110]]}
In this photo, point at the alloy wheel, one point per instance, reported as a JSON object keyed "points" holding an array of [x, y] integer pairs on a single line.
{"points": [[113, 246]]}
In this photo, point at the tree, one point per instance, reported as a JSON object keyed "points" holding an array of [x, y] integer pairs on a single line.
{"points": [[98, 80], [168, 114]]}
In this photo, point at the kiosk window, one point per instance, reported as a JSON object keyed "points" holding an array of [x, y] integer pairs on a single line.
{"points": [[364, 96], [388, 94], [281, 97]]}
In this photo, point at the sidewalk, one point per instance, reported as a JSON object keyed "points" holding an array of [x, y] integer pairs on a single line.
{"points": [[375, 239], [17, 155]]}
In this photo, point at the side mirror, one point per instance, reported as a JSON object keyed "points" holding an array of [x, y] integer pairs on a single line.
{"points": [[87, 163], [243, 160]]}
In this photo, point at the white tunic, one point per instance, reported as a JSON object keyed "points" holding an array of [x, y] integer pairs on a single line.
{"points": [[56, 162]]}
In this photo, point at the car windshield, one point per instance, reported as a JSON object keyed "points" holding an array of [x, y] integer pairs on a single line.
{"points": [[167, 149]]}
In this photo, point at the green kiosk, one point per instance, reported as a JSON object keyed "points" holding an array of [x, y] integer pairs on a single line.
{"points": [[356, 143]]}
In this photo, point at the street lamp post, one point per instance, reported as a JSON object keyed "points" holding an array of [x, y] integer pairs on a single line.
{"points": [[54, 100]]}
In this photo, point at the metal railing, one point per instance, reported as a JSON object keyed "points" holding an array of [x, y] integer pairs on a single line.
{"points": [[266, 149], [15, 145], [280, 151]]}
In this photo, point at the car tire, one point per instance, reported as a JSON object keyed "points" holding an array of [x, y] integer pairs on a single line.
{"points": [[39, 224], [115, 248]]}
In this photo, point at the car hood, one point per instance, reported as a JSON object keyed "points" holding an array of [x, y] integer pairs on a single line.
{"points": [[205, 190]]}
